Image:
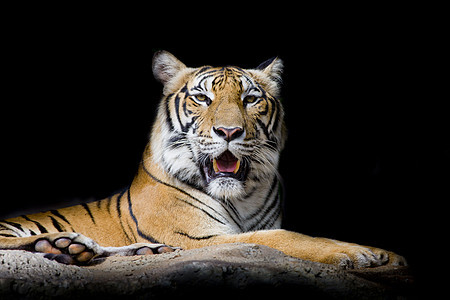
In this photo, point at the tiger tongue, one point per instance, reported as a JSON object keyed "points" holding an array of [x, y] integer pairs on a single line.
{"points": [[226, 166], [227, 163]]}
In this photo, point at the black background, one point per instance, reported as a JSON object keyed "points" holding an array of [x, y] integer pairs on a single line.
{"points": [[366, 150]]}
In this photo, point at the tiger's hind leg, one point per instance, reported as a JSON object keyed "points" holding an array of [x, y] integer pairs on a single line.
{"points": [[76, 249]]}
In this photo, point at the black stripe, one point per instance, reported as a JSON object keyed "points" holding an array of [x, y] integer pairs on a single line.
{"points": [[272, 214], [269, 212], [203, 70], [86, 207], [132, 233], [177, 111], [198, 87], [272, 201], [168, 117], [187, 112], [272, 102], [197, 238], [39, 226], [108, 204], [119, 213], [57, 225], [271, 220], [56, 213], [228, 206], [119, 198], [184, 128], [192, 122], [181, 191], [276, 121], [141, 234], [269, 194], [264, 128], [16, 225], [208, 214], [184, 89], [174, 141], [8, 235], [218, 80]]}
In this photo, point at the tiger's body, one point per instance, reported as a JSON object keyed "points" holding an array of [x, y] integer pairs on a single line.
{"points": [[208, 176]]}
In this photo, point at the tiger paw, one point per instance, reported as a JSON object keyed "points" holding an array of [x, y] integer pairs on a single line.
{"points": [[353, 256], [68, 248], [76, 249]]}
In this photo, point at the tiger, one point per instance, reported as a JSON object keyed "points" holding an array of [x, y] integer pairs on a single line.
{"points": [[208, 176]]}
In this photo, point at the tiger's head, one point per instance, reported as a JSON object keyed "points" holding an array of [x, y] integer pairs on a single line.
{"points": [[220, 130]]}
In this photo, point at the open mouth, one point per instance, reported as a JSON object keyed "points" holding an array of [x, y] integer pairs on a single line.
{"points": [[225, 165]]}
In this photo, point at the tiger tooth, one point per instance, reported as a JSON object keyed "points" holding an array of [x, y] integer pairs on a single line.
{"points": [[216, 169], [237, 167]]}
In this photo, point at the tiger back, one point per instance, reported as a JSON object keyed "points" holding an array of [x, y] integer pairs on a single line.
{"points": [[208, 176]]}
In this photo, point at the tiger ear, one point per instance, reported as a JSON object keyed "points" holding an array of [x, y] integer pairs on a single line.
{"points": [[273, 68], [165, 66]]}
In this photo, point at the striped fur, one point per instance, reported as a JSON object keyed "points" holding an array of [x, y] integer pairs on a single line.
{"points": [[208, 176]]}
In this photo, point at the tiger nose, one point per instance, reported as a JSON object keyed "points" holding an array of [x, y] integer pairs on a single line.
{"points": [[228, 134]]}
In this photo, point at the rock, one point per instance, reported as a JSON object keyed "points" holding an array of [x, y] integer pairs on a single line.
{"points": [[224, 270]]}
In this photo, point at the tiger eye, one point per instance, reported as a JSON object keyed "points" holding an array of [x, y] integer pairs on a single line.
{"points": [[250, 99], [200, 97]]}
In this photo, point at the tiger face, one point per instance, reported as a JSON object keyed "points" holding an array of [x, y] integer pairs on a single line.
{"points": [[220, 130]]}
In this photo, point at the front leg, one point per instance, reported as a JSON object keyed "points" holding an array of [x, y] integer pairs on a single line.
{"points": [[341, 254], [76, 249]]}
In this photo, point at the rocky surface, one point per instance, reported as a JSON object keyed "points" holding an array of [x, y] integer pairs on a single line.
{"points": [[226, 270]]}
